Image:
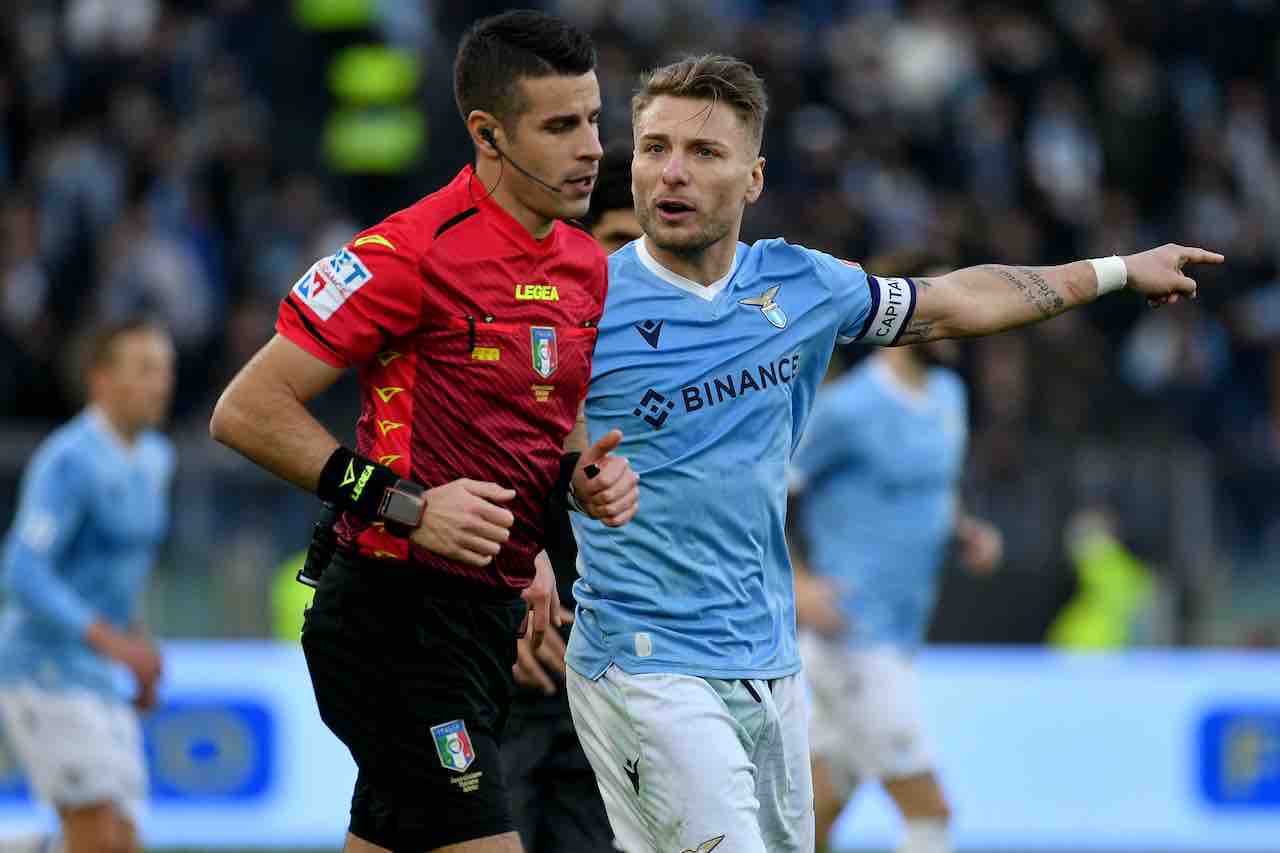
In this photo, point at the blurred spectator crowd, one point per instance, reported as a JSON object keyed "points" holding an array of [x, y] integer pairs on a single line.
{"points": [[167, 155]]}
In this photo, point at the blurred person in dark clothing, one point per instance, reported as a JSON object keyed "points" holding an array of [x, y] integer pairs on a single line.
{"points": [[554, 793]]}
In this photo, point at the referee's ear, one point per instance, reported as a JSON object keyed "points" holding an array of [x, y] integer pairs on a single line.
{"points": [[485, 130]]}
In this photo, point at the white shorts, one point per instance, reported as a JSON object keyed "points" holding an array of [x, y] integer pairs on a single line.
{"points": [[77, 747], [866, 719], [691, 765]]}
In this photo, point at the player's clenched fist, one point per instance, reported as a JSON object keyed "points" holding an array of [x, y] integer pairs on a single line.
{"points": [[465, 521], [1157, 273], [604, 484]]}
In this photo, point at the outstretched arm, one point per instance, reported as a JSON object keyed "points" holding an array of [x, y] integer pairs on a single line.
{"points": [[992, 298]]}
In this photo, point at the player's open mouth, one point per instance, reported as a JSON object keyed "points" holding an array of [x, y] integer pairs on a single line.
{"points": [[585, 184], [674, 210]]}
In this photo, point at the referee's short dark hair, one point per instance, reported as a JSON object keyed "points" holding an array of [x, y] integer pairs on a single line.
{"points": [[496, 53], [613, 183]]}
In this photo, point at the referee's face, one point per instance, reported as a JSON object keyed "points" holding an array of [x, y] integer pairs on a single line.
{"points": [[557, 139], [136, 384]]}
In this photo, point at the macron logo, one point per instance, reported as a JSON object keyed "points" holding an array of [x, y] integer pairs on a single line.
{"points": [[649, 330]]}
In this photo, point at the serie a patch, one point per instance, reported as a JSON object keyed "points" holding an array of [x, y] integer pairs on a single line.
{"points": [[332, 281]]}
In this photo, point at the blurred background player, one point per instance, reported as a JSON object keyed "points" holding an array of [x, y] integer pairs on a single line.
{"points": [[877, 508], [553, 791], [93, 510]]}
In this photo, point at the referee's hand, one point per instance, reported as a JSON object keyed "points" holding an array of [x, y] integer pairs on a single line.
{"points": [[544, 602], [604, 484], [465, 521]]}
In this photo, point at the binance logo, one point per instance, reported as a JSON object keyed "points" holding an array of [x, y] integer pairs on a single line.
{"points": [[537, 293], [654, 409]]}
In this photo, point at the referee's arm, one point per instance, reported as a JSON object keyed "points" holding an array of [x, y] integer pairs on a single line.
{"points": [[262, 414]]}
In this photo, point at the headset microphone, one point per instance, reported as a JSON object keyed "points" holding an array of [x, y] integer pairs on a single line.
{"points": [[487, 135]]}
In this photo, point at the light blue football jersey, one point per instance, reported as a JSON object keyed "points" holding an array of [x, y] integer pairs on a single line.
{"points": [[711, 387], [92, 513], [878, 472]]}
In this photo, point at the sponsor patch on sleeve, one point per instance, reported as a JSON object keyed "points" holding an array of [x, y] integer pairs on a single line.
{"points": [[893, 300], [332, 281]]}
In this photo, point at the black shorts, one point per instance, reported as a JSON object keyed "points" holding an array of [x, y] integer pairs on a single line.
{"points": [[412, 671], [557, 803]]}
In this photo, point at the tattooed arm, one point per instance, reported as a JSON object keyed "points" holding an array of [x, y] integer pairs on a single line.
{"points": [[991, 298]]}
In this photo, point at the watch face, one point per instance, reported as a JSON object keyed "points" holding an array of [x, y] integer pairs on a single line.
{"points": [[402, 508]]}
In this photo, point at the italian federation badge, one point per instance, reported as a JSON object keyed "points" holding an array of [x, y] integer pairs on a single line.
{"points": [[542, 342], [453, 745]]}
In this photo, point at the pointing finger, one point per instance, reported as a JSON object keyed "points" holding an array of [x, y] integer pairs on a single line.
{"points": [[1193, 255]]}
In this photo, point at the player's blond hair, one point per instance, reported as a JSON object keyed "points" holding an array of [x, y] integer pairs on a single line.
{"points": [[714, 77]]}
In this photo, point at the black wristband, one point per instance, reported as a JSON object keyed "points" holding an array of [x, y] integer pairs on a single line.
{"points": [[370, 491], [562, 492]]}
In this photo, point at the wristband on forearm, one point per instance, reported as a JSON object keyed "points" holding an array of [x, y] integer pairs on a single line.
{"points": [[564, 483], [372, 492], [1112, 274]]}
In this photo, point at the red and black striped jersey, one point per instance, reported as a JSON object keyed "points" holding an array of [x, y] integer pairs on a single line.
{"points": [[473, 343]]}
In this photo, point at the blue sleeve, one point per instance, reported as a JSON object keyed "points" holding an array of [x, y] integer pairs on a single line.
{"points": [[828, 442], [50, 507], [871, 309]]}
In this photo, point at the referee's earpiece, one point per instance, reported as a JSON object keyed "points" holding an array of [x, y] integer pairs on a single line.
{"points": [[486, 133]]}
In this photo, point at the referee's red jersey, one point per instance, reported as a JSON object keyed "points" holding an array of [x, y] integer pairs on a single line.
{"points": [[473, 343]]}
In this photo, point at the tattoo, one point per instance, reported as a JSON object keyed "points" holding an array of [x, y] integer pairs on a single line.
{"points": [[917, 332], [1050, 302], [1034, 289]]}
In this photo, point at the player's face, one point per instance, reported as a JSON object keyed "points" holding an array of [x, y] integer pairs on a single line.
{"points": [[616, 229], [137, 383], [695, 170], [557, 138]]}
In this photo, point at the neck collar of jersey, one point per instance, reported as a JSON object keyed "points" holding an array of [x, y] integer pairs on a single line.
{"points": [[103, 423], [703, 291], [501, 218]]}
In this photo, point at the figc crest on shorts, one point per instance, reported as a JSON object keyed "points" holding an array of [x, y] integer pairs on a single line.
{"points": [[453, 745], [546, 357]]}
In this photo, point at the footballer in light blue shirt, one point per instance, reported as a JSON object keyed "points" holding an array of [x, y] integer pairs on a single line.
{"points": [[92, 512], [683, 657], [877, 511], [877, 478]]}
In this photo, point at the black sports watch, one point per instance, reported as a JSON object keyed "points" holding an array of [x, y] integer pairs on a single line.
{"points": [[403, 504]]}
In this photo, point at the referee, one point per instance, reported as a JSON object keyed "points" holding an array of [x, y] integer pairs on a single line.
{"points": [[471, 319]]}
